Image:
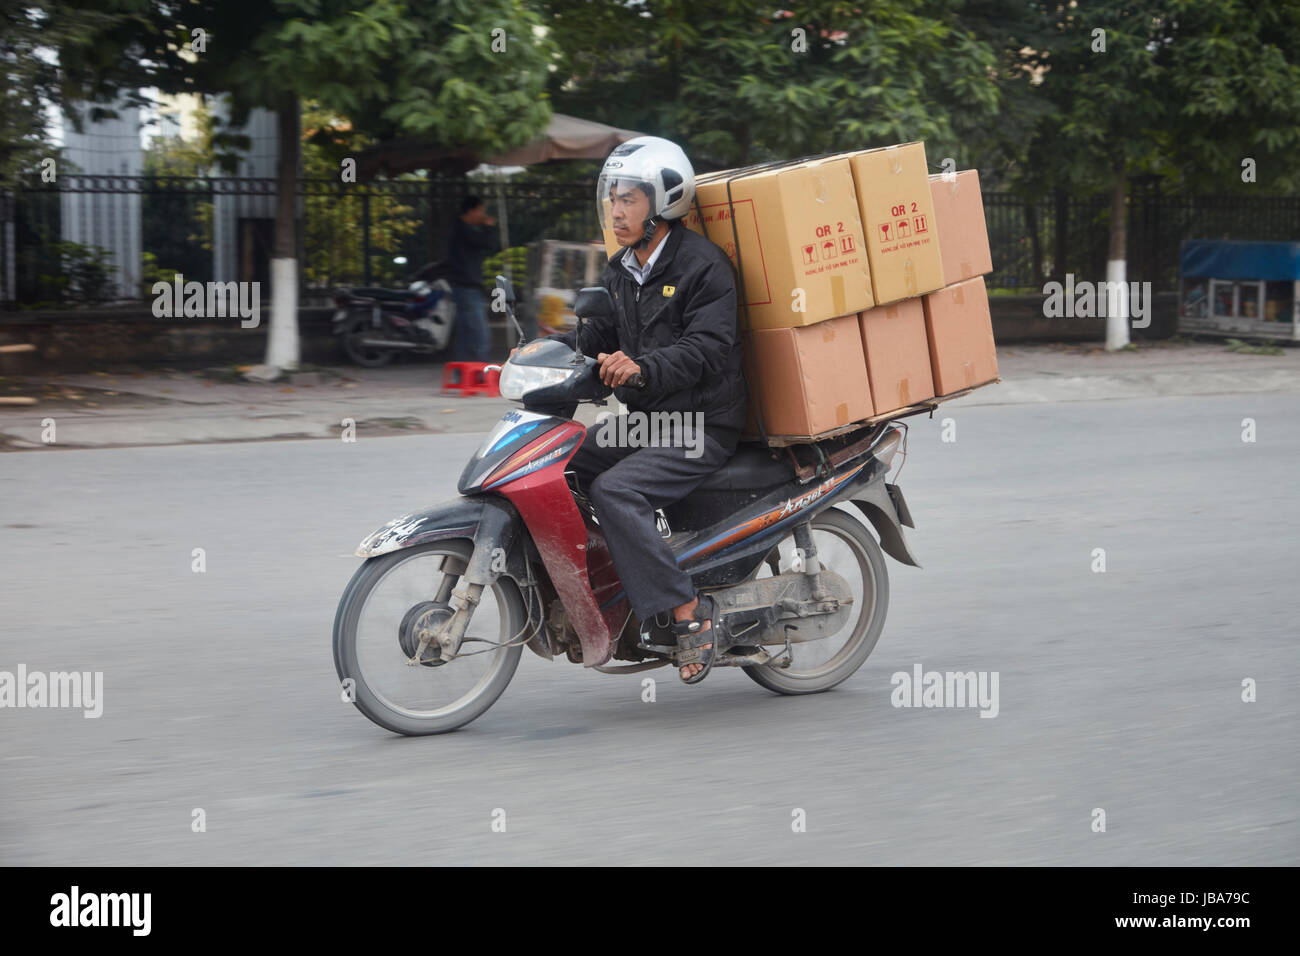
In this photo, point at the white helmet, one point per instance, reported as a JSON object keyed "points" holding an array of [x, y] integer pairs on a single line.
{"points": [[655, 166]]}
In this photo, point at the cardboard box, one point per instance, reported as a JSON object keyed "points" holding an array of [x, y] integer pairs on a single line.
{"points": [[811, 379], [897, 353], [897, 212], [800, 238], [963, 233], [960, 333]]}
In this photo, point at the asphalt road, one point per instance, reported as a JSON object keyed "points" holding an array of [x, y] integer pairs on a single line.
{"points": [[1119, 690]]}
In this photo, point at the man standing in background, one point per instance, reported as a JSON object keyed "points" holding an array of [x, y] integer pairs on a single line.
{"points": [[467, 246]]}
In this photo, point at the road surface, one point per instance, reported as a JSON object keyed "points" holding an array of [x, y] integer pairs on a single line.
{"points": [[1118, 691]]}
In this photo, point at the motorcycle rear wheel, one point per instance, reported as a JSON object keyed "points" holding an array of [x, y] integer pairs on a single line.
{"points": [[363, 355], [379, 671], [870, 577]]}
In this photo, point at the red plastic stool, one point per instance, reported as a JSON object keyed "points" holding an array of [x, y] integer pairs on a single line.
{"points": [[470, 378], [491, 383]]}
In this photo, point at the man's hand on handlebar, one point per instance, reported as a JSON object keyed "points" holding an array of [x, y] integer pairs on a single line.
{"points": [[617, 369]]}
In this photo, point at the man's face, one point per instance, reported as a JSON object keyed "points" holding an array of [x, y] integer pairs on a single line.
{"points": [[629, 208]]}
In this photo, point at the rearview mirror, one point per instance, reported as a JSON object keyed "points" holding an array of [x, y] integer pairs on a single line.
{"points": [[593, 302], [508, 290]]}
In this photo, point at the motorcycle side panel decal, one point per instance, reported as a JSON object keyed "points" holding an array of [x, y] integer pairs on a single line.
{"points": [[770, 520], [513, 426], [495, 452], [777, 517], [531, 459]]}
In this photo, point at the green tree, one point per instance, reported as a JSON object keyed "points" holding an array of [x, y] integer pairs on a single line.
{"points": [[738, 84], [1177, 88], [456, 72], [335, 241]]}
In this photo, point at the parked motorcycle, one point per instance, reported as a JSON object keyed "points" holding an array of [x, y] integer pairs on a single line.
{"points": [[431, 627], [374, 324]]}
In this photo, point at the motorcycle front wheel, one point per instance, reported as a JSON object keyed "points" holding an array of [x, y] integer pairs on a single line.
{"points": [[845, 546], [376, 637]]}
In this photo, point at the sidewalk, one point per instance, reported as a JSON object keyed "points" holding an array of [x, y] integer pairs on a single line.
{"points": [[167, 408]]}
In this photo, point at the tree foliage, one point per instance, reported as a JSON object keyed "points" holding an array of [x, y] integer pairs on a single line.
{"points": [[738, 83]]}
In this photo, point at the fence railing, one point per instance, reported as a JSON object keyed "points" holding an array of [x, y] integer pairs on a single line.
{"points": [[1032, 242], [222, 228]]}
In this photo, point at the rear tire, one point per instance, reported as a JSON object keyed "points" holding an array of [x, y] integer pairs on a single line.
{"points": [[874, 578], [359, 354]]}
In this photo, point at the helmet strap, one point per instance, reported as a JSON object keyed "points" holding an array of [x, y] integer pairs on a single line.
{"points": [[647, 232]]}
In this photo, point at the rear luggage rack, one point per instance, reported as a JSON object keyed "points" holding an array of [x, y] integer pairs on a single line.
{"points": [[831, 453]]}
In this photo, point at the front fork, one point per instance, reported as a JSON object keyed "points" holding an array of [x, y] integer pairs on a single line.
{"points": [[492, 540]]}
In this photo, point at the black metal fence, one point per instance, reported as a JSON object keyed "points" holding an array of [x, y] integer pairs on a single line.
{"points": [[222, 228], [91, 239], [1032, 242]]}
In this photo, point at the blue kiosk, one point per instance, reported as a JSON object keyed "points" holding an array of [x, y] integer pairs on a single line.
{"points": [[1240, 288]]}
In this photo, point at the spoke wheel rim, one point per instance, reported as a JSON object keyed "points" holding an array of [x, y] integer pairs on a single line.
{"points": [[382, 663]]}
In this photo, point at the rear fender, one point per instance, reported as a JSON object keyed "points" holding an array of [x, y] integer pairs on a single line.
{"points": [[887, 511]]}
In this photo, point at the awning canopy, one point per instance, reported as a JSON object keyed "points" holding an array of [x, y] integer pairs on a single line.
{"points": [[1240, 259], [565, 138]]}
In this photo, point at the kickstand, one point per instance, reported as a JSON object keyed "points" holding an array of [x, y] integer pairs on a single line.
{"points": [[787, 653]]}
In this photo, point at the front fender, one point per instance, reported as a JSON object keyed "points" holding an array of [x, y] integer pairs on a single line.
{"points": [[457, 518]]}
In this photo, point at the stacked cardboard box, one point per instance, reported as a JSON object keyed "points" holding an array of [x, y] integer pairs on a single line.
{"points": [[957, 320], [862, 289]]}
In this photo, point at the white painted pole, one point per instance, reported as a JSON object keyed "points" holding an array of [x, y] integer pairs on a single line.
{"points": [[1116, 304], [282, 335]]}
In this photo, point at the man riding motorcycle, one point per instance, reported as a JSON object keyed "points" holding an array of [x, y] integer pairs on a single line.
{"points": [[675, 326]]}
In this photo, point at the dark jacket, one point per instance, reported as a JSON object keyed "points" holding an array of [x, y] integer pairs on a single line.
{"points": [[681, 329], [467, 247]]}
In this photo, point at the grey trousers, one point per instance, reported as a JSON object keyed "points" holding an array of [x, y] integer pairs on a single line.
{"points": [[626, 485]]}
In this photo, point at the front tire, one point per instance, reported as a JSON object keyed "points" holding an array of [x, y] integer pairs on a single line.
{"points": [[872, 579], [366, 666]]}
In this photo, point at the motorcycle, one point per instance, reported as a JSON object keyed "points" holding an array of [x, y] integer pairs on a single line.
{"points": [[374, 325], [430, 629]]}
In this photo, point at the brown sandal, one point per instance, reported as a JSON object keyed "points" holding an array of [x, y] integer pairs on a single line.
{"points": [[691, 635]]}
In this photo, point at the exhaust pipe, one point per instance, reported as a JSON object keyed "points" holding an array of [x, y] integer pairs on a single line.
{"points": [[389, 344]]}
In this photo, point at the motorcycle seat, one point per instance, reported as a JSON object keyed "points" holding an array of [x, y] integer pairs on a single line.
{"points": [[751, 467]]}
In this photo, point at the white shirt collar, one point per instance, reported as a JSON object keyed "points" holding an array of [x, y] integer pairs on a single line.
{"points": [[639, 272]]}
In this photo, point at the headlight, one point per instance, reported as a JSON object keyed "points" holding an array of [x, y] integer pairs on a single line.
{"points": [[518, 380]]}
